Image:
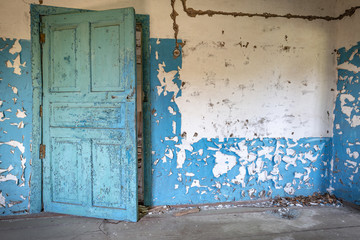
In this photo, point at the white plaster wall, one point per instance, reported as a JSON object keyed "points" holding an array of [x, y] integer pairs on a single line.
{"points": [[15, 14], [281, 88], [265, 91], [347, 30]]}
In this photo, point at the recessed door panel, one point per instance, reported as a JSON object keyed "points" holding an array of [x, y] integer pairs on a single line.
{"points": [[107, 54], [66, 182], [108, 175], [87, 115], [64, 77]]}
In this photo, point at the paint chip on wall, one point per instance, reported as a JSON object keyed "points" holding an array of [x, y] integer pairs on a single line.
{"points": [[2, 117], [20, 114], [8, 177], [17, 144], [16, 48], [2, 200], [16, 65], [289, 189], [223, 164], [14, 89]]}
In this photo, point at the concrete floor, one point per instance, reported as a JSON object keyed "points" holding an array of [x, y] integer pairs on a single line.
{"points": [[235, 223]]}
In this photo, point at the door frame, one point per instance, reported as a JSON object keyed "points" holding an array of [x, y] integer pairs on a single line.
{"points": [[36, 189]]}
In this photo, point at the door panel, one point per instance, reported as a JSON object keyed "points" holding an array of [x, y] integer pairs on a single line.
{"points": [[89, 114], [103, 192], [63, 70], [66, 152], [107, 47]]}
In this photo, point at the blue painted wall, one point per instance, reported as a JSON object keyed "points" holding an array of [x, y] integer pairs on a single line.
{"points": [[235, 169], [15, 126], [182, 172], [346, 180]]}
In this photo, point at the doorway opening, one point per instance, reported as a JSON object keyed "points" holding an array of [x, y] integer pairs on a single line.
{"points": [[139, 113]]}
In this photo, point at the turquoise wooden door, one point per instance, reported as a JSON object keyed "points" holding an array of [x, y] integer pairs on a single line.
{"points": [[89, 114]]}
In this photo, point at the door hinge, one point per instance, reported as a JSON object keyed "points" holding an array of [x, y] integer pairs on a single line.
{"points": [[42, 151], [42, 38], [41, 111]]}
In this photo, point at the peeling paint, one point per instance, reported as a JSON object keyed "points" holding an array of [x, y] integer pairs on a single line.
{"points": [[16, 144], [16, 48], [345, 167], [171, 110], [289, 189], [2, 200], [227, 166], [20, 114], [6, 170], [226, 169], [15, 124], [2, 117], [14, 89], [240, 179], [166, 81], [8, 177], [354, 154], [19, 125], [16, 65], [349, 67]]}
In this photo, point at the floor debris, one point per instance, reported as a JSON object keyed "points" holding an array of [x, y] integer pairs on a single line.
{"points": [[301, 201], [159, 209], [143, 210], [282, 203], [185, 212]]}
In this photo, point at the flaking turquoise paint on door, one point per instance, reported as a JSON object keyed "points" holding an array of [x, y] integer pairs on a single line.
{"points": [[89, 114]]}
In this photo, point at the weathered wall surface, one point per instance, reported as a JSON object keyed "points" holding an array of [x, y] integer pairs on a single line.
{"points": [[245, 112], [229, 169], [256, 77], [347, 34], [346, 177], [15, 125]]}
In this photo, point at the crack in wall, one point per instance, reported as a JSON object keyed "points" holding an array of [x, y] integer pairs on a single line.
{"points": [[173, 16], [194, 12]]}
